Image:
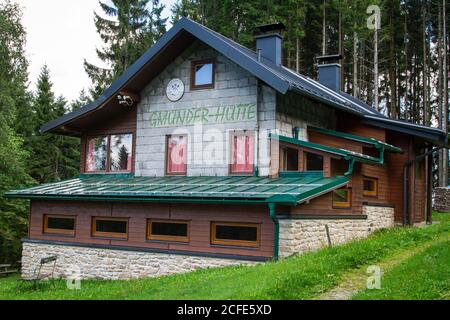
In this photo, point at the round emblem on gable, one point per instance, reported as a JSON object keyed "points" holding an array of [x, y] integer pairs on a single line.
{"points": [[175, 89]]}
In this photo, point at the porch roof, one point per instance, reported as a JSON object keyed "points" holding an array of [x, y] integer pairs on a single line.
{"points": [[370, 141], [289, 190], [345, 154]]}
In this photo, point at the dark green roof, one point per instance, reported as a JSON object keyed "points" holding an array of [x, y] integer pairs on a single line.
{"points": [[371, 141], [346, 154], [287, 190]]}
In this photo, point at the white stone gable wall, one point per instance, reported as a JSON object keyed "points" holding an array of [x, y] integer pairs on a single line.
{"points": [[208, 144]]}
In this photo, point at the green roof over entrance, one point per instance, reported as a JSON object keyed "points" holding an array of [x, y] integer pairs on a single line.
{"points": [[346, 154], [371, 141], [290, 190]]}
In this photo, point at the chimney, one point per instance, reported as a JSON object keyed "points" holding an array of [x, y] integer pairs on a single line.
{"points": [[268, 42], [330, 71]]}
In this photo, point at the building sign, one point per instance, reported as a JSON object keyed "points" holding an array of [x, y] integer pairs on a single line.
{"points": [[203, 115]]}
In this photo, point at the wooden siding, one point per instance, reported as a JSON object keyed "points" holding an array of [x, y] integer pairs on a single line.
{"points": [[123, 123], [323, 204], [200, 217]]}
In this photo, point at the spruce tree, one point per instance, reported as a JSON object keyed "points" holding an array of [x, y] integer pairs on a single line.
{"points": [[55, 157], [131, 28], [13, 79]]}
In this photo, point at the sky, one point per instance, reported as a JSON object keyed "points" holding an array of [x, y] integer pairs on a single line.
{"points": [[61, 34]]}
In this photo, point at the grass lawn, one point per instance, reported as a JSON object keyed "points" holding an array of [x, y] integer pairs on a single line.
{"points": [[299, 277], [423, 276]]}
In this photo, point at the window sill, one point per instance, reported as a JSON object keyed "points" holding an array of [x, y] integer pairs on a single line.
{"points": [[109, 238], [228, 246]]}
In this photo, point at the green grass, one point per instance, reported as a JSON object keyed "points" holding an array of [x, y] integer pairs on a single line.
{"points": [[423, 276], [299, 277]]}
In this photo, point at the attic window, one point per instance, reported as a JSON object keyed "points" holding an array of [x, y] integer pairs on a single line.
{"points": [[202, 74]]}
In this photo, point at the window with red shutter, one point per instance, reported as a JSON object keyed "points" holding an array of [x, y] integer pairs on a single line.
{"points": [[176, 155], [242, 153]]}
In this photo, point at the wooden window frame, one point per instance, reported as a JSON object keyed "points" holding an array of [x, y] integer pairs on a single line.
{"points": [[152, 237], [101, 234], [108, 153], [342, 205], [236, 243], [369, 193], [166, 161], [65, 232], [204, 86], [231, 144], [305, 161]]}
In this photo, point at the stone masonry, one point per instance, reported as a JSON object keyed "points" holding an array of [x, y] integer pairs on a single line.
{"points": [[442, 199], [302, 235], [208, 153], [112, 264]]}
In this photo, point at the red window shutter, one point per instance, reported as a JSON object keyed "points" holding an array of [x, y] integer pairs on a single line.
{"points": [[243, 154], [177, 155]]}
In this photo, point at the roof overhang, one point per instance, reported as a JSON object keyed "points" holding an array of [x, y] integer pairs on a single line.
{"points": [[151, 63]]}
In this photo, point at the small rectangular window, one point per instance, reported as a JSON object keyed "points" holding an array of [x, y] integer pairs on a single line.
{"points": [[314, 162], [370, 187], [235, 234], [202, 76], [288, 159], [168, 230], [342, 198], [121, 151], [59, 224], [110, 227], [242, 153], [97, 153], [176, 155]]}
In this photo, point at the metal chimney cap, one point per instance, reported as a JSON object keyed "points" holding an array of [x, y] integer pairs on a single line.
{"points": [[331, 57], [271, 27]]}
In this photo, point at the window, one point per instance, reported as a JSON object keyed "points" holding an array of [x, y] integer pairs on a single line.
{"points": [[202, 74], [109, 153], [59, 224], [120, 153], [96, 154], [110, 227], [288, 159], [242, 153], [235, 234], [167, 230], [314, 162], [342, 198], [176, 156], [370, 187]]}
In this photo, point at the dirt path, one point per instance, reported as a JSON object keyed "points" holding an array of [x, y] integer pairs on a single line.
{"points": [[355, 280]]}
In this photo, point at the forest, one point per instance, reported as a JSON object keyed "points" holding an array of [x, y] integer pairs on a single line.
{"points": [[395, 57]]}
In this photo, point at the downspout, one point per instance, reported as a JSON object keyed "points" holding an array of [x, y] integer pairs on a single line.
{"points": [[406, 179], [276, 230], [351, 165], [382, 149]]}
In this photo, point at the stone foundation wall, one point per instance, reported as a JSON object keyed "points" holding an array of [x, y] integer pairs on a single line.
{"points": [[302, 235], [112, 264], [442, 199]]}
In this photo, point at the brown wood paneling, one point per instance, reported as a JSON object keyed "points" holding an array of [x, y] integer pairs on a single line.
{"points": [[199, 216], [123, 123]]}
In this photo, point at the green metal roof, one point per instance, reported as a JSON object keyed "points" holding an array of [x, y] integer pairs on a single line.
{"points": [[371, 141], [284, 190], [346, 154]]}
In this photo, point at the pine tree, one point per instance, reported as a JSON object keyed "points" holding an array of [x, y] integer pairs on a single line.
{"points": [[132, 27], [13, 79], [55, 157]]}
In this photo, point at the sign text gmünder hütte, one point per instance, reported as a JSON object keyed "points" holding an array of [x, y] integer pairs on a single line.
{"points": [[220, 114]]}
